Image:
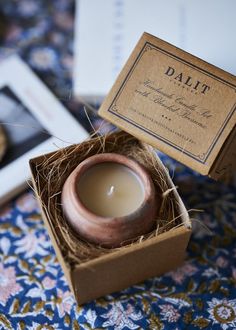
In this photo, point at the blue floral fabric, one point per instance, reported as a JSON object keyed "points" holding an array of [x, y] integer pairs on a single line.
{"points": [[34, 294]]}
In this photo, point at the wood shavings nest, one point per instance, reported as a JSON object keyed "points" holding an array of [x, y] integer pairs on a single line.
{"points": [[52, 170]]}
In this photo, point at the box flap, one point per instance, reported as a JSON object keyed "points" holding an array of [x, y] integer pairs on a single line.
{"points": [[225, 166], [175, 102]]}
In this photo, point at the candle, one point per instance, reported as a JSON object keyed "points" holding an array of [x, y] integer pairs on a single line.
{"points": [[109, 199], [111, 190]]}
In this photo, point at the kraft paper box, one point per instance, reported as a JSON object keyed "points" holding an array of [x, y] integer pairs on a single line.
{"points": [[116, 269], [182, 106], [179, 104]]}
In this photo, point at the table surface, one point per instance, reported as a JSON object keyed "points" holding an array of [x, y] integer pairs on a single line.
{"points": [[34, 294]]}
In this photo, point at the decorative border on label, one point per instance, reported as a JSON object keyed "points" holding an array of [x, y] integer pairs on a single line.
{"points": [[202, 158]]}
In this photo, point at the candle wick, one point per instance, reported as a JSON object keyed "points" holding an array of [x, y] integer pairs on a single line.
{"points": [[111, 191]]}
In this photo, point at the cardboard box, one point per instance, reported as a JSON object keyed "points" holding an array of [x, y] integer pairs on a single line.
{"points": [[179, 104], [119, 268], [175, 102]]}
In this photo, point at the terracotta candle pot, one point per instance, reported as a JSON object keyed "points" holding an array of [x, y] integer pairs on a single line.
{"points": [[109, 199]]}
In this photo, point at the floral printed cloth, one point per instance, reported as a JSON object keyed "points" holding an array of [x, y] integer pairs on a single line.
{"points": [[34, 294]]}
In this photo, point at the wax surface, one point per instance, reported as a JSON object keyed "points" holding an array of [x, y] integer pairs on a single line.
{"points": [[110, 190]]}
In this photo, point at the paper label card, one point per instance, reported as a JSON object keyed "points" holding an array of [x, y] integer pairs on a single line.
{"points": [[174, 101]]}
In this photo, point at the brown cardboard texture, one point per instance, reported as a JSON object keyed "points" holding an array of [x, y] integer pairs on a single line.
{"points": [[96, 274], [177, 103]]}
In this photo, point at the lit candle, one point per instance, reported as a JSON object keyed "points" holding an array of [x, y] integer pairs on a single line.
{"points": [[109, 199]]}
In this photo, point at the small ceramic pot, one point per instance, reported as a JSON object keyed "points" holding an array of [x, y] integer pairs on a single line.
{"points": [[109, 231]]}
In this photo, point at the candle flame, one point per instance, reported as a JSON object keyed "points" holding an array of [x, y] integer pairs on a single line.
{"points": [[111, 191]]}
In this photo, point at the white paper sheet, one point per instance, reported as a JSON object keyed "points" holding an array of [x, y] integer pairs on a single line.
{"points": [[39, 102], [107, 31]]}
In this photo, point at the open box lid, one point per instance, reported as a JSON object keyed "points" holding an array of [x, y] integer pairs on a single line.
{"points": [[177, 103]]}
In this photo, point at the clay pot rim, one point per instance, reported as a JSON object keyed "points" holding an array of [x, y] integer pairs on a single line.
{"points": [[111, 158]]}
